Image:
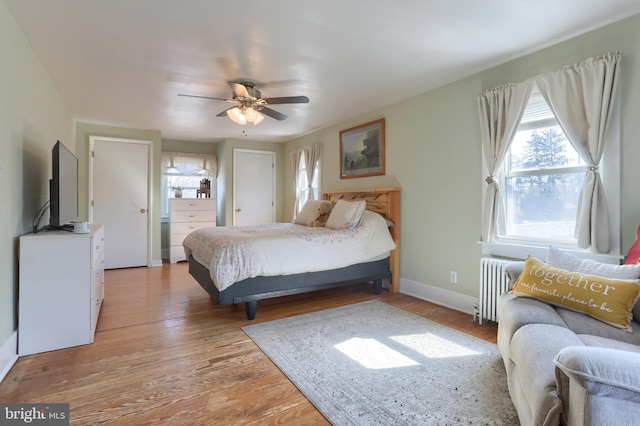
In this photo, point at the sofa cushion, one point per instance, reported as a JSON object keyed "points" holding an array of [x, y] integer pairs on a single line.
{"points": [[582, 324], [608, 300], [563, 260], [515, 312], [603, 342], [533, 349]]}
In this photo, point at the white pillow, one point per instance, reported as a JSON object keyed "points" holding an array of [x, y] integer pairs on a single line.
{"points": [[310, 212], [567, 261], [346, 214]]}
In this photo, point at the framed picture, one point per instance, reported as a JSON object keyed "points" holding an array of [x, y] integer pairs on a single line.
{"points": [[362, 150]]}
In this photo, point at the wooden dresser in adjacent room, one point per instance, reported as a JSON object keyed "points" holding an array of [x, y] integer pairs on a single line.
{"points": [[185, 216]]}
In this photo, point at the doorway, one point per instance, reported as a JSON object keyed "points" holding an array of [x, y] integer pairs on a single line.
{"points": [[119, 176], [254, 187]]}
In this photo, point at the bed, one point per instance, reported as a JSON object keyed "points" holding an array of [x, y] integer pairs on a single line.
{"points": [[251, 282]]}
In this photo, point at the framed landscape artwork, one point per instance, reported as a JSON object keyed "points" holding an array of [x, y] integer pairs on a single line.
{"points": [[362, 150]]}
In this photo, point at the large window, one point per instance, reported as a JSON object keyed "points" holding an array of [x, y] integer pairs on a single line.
{"points": [[541, 176]]}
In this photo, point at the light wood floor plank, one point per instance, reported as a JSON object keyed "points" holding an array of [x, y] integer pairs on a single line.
{"points": [[164, 353]]}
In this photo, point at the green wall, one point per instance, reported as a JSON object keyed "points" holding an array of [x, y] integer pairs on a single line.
{"points": [[33, 116], [433, 152]]}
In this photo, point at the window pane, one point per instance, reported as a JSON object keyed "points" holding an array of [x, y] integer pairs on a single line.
{"points": [[542, 148], [542, 206]]}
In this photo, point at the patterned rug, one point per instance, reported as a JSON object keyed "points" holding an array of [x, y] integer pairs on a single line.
{"points": [[373, 364]]}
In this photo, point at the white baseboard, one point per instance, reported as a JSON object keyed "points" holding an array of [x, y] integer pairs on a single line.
{"points": [[440, 296], [8, 355]]}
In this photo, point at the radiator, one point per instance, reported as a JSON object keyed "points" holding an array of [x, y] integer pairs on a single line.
{"points": [[493, 282]]}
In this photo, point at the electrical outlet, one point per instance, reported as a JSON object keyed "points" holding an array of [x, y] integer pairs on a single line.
{"points": [[453, 276]]}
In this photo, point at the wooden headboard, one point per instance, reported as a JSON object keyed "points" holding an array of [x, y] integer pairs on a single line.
{"points": [[385, 201]]}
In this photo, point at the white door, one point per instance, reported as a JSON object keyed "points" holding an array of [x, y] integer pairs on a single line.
{"points": [[118, 198], [254, 181]]}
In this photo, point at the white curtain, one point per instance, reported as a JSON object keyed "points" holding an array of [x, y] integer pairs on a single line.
{"points": [[312, 155], [189, 164], [296, 154], [501, 110], [582, 98]]}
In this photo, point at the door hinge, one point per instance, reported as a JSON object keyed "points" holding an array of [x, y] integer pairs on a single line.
{"points": [[93, 153], [91, 203]]}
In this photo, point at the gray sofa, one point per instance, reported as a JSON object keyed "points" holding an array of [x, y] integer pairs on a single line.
{"points": [[565, 367]]}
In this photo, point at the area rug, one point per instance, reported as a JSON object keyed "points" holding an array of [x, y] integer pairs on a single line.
{"points": [[373, 364]]}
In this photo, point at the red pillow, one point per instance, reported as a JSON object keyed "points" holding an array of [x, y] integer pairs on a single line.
{"points": [[634, 252]]}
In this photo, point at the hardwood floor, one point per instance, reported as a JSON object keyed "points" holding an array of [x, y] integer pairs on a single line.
{"points": [[164, 353]]}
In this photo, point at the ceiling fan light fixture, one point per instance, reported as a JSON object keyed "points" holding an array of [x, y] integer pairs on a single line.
{"points": [[236, 115], [250, 114], [258, 119]]}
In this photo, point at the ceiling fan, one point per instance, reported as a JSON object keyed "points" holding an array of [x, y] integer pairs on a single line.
{"points": [[249, 105]]}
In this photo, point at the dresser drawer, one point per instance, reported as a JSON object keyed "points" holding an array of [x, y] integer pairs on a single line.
{"points": [[185, 227], [177, 239], [97, 249], [193, 216], [192, 204]]}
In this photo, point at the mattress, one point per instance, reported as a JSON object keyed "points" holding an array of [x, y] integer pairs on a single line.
{"points": [[232, 254]]}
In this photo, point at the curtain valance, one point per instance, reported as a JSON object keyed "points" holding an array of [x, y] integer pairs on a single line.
{"points": [[189, 164]]}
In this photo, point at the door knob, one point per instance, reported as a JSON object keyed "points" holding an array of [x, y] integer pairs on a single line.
{"points": [[238, 210], [142, 210]]}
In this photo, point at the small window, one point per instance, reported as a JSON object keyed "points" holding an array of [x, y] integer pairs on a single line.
{"points": [[542, 178], [303, 183], [186, 171]]}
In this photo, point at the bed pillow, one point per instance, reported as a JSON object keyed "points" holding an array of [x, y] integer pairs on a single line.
{"points": [[608, 300], [563, 260], [313, 213], [346, 214]]}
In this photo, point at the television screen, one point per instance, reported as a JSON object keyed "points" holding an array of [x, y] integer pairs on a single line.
{"points": [[63, 186]]}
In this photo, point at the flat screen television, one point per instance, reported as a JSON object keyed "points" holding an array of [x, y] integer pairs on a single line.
{"points": [[63, 186]]}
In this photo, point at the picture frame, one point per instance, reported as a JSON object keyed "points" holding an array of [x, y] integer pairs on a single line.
{"points": [[362, 150]]}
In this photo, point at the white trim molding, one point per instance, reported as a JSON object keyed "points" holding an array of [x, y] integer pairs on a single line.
{"points": [[450, 299], [8, 355]]}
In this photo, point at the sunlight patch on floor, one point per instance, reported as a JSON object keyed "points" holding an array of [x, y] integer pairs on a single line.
{"points": [[433, 346], [373, 355]]}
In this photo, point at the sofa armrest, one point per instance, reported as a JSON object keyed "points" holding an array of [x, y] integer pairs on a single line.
{"points": [[595, 383], [513, 270]]}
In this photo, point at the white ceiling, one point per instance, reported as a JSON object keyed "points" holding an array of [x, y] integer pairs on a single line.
{"points": [[123, 62]]}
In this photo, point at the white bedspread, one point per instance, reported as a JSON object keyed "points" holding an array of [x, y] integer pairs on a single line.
{"points": [[236, 253]]}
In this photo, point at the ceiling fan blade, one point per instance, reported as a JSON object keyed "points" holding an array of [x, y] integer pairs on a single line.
{"points": [[273, 114], [287, 100], [206, 97], [239, 90]]}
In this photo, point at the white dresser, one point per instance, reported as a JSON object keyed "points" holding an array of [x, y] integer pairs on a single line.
{"points": [[61, 289], [186, 215]]}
